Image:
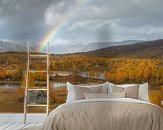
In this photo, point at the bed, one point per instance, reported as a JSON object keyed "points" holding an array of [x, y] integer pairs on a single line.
{"points": [[98, 112]]}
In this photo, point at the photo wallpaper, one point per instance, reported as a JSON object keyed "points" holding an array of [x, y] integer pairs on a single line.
{"points": [[90, 42]]}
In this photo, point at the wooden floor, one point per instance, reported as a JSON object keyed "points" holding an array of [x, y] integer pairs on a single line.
{"points": [[15, 121], [18, 126]]}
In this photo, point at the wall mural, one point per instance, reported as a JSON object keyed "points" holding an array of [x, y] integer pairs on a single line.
{"points": [[91, 42]]}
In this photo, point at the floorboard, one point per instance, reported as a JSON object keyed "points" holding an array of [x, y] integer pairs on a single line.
{"points": [[19, 117], [1, 124], [6, 125], [13, 126], [14, 121], [18, 126], [30, 125], [21, 126], [39, 124]]}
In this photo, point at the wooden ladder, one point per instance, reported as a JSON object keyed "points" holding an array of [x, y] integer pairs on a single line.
{"points": [[27, 89]]}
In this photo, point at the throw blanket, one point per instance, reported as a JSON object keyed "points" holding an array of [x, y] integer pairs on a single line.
{"points": [[106, 114]]}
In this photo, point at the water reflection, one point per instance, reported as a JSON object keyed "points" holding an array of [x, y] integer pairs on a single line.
{"points": [[9, 86], [59, 84], [81, 74], [87, 75]]}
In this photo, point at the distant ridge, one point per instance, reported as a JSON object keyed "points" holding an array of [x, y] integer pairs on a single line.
{"points": [[13, 46], [87, 46], [146, 49], [131, 48], [6, 46]]}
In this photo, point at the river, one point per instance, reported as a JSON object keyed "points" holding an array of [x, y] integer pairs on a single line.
{"points": [[15, 86], [56, 84], [9, 86]]}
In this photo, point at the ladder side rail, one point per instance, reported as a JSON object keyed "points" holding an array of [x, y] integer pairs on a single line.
{"points": [[47, 108], [27, 83]]}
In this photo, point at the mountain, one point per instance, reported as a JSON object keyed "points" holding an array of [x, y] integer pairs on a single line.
{"points": [[84, 47], [100, 45], [6, 46], [145, 49], [131, 48]]}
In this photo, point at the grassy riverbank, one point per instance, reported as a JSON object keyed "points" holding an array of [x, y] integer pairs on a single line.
{"points": [[10, 103]]}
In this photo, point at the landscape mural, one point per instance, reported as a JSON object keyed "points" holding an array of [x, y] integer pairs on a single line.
{"points": [[135, 63], [91, 42]]}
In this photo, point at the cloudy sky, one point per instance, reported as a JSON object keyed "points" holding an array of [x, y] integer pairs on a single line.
{"points": [[76, 23]]}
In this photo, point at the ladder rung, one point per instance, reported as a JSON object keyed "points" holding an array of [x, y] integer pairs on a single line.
{"points": [[40, 82], [38, 55], [33, 89], [36, 105], [38, 71]]}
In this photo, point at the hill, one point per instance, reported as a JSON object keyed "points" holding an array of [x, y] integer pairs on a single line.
{"points": [[87, 46], [7, 46], [146, 49], [129, 49]]}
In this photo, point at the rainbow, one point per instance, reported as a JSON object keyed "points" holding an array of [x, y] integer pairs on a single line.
{"points": [[52, 33]]}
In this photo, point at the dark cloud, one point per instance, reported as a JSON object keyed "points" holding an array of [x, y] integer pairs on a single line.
{"points": [[23, 19], [92, 21], [104, 33]]}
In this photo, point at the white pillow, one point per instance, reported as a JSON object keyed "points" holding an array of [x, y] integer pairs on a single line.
{"points": [[143, 92], [110, 88], [125, 85], [102, 95], [71, 91]]}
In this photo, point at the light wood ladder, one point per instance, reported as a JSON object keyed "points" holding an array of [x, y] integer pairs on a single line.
{"points": [[27, 89]]}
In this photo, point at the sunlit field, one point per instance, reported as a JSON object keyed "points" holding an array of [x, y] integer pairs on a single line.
{"points": [[77, 70]]}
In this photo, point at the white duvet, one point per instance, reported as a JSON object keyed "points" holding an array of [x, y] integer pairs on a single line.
{"points": [[106, 114]]}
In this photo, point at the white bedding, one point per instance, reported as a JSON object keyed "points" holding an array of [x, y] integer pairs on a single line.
{"points": [[106, 114]]}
